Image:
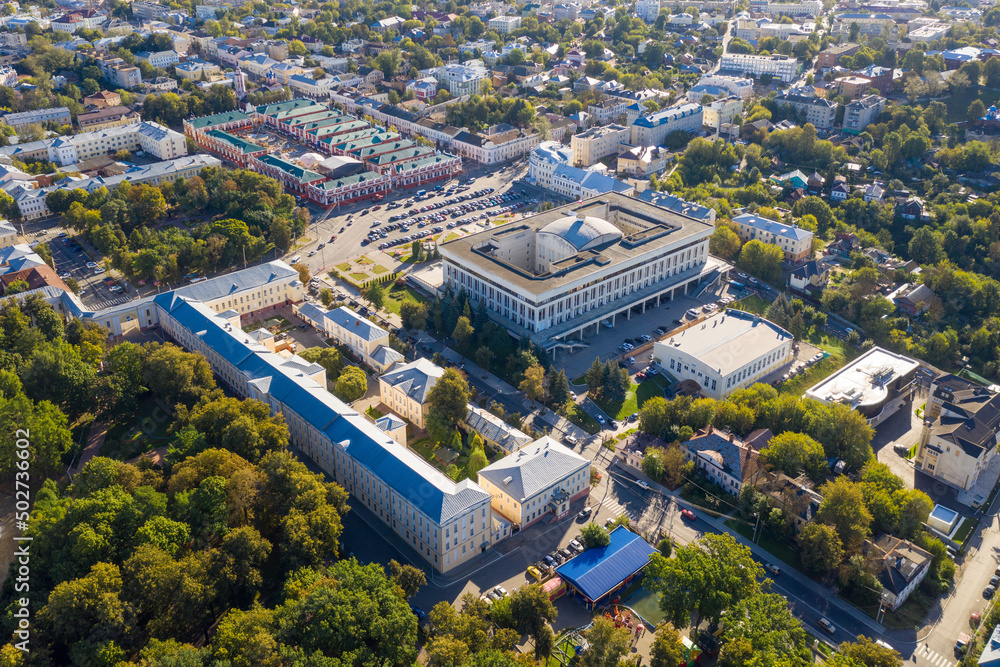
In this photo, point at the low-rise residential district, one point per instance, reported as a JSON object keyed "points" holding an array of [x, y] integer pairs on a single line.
{"points": [[554, 333]]}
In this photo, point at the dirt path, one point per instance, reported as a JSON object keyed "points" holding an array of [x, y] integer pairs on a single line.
{"points": [[95, 440]]}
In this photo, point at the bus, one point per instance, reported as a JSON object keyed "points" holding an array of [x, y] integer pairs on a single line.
{"points": [[736, 285], [421, 193]]}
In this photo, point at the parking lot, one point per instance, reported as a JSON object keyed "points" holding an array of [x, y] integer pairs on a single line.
{"points": [[76, 261], [607, 343], [343, 230]]}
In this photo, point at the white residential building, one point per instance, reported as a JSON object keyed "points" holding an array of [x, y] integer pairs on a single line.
{"points": [[598, 143], [467, 79], [721, 111], [725, 352], [504, 24], [647, 10], [861, 113], [21, 120], [741, 87], [784, 68], [794, 241], [159, 58], [652, 129], [816, 110], [544, 159]]}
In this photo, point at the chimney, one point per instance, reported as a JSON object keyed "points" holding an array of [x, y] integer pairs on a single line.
{"points": [[731, 437]]}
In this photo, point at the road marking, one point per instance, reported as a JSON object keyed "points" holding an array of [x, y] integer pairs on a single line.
{"points": [[934, 658], [611, 505]]}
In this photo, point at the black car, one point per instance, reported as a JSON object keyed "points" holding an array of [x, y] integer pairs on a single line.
{"points": [[557, 557]]}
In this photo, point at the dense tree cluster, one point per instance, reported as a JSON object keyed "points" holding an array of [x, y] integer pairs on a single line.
{"points": [[842, 432], [253, 216]]}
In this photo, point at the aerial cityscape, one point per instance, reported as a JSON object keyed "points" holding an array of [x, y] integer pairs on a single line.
{"points": [[582, 333]]}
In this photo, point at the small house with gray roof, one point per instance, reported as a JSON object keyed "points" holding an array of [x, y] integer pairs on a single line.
{"points": [[724, 458], [536, 482], [495, 432], [901, 564], [368, 341], [404, 389]]}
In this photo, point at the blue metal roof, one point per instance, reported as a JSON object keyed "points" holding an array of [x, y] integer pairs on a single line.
{"points": [[286, 381], [597, 571]]}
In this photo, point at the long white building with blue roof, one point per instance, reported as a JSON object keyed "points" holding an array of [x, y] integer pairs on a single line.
{"points": [[446, 522], [652, 129]]}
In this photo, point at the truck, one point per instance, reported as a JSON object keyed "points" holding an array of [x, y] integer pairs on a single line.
{"points": [[961, 644]]}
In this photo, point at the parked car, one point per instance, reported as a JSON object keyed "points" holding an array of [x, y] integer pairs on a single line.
{"points": [[557, 557], [585, 512], [576, 546], [501, 591], [571, 441], [989, 591], [535, 572], [566, 553], [688, 514]]}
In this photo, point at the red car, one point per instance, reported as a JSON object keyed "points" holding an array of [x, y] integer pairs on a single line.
{"points": [[688, 514]]}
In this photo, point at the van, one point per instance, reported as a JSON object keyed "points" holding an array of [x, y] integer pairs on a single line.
{"points": [[885, 645], [692, 313], [295, 259]]}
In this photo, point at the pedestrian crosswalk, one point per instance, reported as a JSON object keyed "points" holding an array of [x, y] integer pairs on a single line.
{"points": [[612, 506], [111, 302], [926, 655]]}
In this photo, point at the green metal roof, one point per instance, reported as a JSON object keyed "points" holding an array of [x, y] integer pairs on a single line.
{"points": [[242, 145], [218, 119], [301, 173]]}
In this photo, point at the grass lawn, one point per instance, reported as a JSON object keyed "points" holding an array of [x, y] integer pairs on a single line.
{"points": [[346, 266], [958, 105], [781, 550], [583, 420], [363, 260], [358, 276], [751, 304], [963, 531], [798, 384], [580, 381], [623, 409], [373, 412], [424, 447], [648, 389], [379, 269], [395, 297]]}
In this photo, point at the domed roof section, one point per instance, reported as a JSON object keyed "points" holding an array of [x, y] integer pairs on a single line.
{"points": [[583, 232]]}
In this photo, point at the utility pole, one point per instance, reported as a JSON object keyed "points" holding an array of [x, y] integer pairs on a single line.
{"points": [[755, 528]]}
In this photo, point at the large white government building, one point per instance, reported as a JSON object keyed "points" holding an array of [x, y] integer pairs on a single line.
{"points": [[555, 274], [725, 352]]}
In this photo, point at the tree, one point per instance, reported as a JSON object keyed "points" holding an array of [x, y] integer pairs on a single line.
{"points": [[706, 576], [477, 461], [304, 275], [374, 294], [843, 507], [533, 384], [85, 609], [463, 333], [531, 609], [665, 546], [413, 314], [607, 644], [925, 246], [819, 547], [558, 388], [652, 463], [761, 627], [976, 110], [725, 243], [791, 452], [869, 654], [408, 578], [655, 417], [594, 535], [352, 384], [175, 375], [448, 399], [327, 357], [668, 649], [761, 259]]}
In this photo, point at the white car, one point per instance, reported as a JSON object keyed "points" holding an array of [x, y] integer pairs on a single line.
{"points": [[98, 270], [642, 484], [91, 265]]}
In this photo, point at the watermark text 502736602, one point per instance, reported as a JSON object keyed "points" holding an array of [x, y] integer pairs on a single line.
{"points": [[22, 554]]}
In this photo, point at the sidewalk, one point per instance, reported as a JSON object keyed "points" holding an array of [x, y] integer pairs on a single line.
{"points": [[471, 368]]}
